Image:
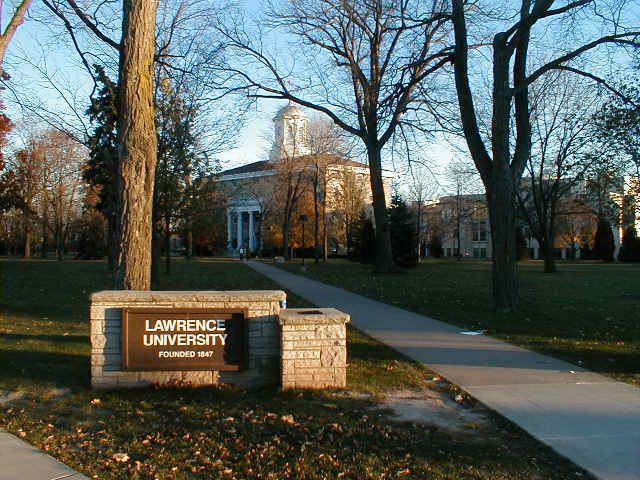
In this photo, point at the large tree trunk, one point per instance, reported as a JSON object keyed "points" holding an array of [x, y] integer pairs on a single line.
{"points": [[325, 236], [316, 219], [26, 252], [188, 252], [501, 200], [547, 253], [5, 39], [45, 231], [59, 245], [549, 260], [286, 226], [458, 232], [167, 244], [138, 144], [384, 258]]}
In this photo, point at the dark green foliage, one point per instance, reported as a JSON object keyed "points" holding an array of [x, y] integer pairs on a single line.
{"points": [[92, 242], [630, 248], [604, 246], [101, 171], [618, 122], [435, 247], [102, 167], [364, 240], [403, 232]]}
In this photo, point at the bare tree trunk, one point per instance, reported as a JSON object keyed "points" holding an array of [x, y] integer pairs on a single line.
{"points": [[547, 252], [44, 246], [138, 144], [384, 259], [500, 196], [167, 244], [324, 218], [5, 39], [316, 219], [59, 244], [458, 230], [286, 226], [189, 250], [549, 261], [26, 252]]}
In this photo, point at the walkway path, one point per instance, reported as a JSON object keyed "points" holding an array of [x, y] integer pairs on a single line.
{"points": [[591, 419], [21, 461]]}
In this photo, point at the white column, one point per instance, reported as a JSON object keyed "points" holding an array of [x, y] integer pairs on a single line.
{"points": [[239, 230], [251, 233], [229, 229]]}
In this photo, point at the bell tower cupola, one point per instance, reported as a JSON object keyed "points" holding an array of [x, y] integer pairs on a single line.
{"points": [[291, 133]]}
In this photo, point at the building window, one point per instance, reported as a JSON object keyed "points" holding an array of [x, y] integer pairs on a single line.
{"points": [[479, 231]]}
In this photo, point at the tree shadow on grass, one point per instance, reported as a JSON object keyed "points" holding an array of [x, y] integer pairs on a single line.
{"points": [[71, 313], [29, 369], [80, 339]]}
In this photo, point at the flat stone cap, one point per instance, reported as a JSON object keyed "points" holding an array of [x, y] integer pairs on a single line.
{"points": [[132, 296], [313, 316]]}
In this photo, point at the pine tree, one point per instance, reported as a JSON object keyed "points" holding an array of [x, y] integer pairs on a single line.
{"points": [[364, 240], [403, 232], [101, 171], [604, 247], [630, 248]]}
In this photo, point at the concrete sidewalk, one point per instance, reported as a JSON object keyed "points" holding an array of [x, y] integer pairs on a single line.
{"points": [[591, 419], [21, 461]]}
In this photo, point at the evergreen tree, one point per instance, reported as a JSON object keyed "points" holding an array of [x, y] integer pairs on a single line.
{"points": [[364, 240], [101, 171], [630, 248], [435, 247], [403, 232], [604, 247]]}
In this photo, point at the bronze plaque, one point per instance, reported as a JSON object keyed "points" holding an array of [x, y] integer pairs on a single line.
{"points": [[170, 339]]}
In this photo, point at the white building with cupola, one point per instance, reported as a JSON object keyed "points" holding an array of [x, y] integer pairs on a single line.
{"points": [[256, 194]]}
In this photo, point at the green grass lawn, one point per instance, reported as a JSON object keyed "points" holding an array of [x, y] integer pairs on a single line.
{"points": [[586, 313], [225, 433]]}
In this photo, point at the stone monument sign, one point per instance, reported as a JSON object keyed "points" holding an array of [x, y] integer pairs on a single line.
{"points": [[245, 338]]}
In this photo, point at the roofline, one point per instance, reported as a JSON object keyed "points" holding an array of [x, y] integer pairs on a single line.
{"points": [[240, 176]]}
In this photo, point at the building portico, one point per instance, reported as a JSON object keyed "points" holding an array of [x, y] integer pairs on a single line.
{"points": [[243, 227]]}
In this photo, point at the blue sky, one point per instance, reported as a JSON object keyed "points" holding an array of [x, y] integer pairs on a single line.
{"points": [[44, 44]]}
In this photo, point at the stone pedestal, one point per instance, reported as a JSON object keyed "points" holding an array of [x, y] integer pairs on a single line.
{"points": [[314, 348], [262, 307]]}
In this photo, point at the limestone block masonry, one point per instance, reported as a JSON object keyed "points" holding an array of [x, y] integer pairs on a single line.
{"points": [[314, 348], [301, 348], [263, 308]]}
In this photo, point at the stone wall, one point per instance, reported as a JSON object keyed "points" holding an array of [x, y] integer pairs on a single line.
{"points": [[263, 332], [314, 348]]}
